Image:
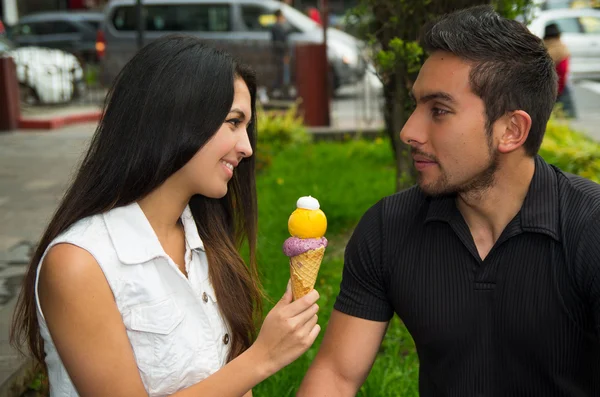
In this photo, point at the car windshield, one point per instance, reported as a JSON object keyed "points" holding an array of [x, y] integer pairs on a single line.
{"points": [[94, 24]]}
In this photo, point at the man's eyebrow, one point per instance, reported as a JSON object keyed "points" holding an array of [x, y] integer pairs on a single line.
{"points": [[439, 95]]}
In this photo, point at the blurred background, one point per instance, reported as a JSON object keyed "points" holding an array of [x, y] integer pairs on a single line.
{"points": [[67, 52]]}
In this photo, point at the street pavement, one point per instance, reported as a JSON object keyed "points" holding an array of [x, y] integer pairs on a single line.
{"points": [[587, 103]]}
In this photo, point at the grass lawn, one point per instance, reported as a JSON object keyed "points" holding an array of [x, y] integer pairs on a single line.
{"points": [[346, 178]]}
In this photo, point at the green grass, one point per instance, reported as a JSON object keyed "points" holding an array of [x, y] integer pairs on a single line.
{"points": [[346, 178]]}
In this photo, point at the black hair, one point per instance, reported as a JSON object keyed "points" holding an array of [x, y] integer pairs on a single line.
{"points": [[511, 69]]}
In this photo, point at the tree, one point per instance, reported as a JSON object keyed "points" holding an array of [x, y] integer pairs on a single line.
{"points": [[393, 27]]}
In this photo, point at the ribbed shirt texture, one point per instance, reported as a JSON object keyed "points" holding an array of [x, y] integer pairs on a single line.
{"points": [[523, 322]]}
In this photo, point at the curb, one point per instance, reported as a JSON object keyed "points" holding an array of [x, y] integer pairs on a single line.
{"points": [[38, 123]]}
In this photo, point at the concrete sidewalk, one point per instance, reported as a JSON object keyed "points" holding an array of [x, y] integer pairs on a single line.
{"points": [[35, 168]]}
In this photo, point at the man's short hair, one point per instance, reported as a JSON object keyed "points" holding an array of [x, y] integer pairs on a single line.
{"points": [[277, 13], [511, 68]]}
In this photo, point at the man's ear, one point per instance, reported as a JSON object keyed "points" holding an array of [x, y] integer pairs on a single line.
{"points": [[515, 131]]}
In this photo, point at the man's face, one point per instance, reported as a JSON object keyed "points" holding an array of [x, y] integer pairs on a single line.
{"points": [[451, 149]]}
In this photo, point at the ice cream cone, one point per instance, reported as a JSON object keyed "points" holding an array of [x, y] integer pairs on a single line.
{"points": [[304, 269]]}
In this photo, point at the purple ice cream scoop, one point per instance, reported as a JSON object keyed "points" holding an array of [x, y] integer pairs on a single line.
{"points": [[295, 246]]}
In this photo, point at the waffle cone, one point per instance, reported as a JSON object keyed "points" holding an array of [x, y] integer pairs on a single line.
{"points": [[304, 269]]}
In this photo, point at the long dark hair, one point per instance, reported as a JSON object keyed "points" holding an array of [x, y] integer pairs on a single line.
{"points": [[163, 107]]}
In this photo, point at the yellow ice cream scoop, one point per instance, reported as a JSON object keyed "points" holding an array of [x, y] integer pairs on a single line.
{"points": [[307, 220]]}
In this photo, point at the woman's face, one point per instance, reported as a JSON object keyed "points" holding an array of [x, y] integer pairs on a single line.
{"points": [[211, 168]]}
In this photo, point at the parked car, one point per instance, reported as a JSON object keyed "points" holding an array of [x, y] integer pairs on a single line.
{"points": [[556, 4], [46, 76], [580, 31], [242, 27], [73, 32]]}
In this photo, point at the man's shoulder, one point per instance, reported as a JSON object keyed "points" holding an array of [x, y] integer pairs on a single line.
{"points": [[577, 193], [404, 202], [400, 206], [579, 207]]}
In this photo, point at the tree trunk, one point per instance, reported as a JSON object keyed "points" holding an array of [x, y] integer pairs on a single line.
{"points": [[405, 172], [389, 111]]}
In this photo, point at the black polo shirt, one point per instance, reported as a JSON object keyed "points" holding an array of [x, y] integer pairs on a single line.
{"points": [[523, 322]]}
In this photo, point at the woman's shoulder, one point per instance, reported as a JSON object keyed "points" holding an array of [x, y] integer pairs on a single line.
{"points": [[68, 263], [86, 228], [76, 257], [84, 241]]}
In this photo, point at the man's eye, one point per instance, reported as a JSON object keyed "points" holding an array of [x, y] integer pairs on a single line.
{"points": [[437, 112]]}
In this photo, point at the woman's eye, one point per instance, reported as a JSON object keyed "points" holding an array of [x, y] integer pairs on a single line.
{"points": [[234, 122]]}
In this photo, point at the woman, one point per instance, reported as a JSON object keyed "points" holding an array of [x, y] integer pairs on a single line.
{"points": [[137, 287], [559, 53]]}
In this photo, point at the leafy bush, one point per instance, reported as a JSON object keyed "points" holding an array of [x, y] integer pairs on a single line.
{"points": [[276, 131], [571, 151]]}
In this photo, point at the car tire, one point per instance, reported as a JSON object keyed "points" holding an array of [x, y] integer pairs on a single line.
{"points": [[333, 83], [28, 96], [79, 90]]}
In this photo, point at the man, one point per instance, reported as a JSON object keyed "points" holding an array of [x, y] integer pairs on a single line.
{"points": [[279, 40], [493, 261]]}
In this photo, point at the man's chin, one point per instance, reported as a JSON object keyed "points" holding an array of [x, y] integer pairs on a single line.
{"points": [[432, 190]]}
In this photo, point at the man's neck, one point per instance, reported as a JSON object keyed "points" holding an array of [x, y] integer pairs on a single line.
{"points": [[488, 212]]}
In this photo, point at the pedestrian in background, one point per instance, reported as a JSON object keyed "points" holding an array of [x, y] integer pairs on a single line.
{"points": [[281, 55], [560, 55]]}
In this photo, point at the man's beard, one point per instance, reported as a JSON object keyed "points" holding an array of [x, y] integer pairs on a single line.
{"points": [[478, 184]]}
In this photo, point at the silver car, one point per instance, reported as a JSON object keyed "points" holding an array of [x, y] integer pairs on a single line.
{"points": [[241, 27], [580, 31]]}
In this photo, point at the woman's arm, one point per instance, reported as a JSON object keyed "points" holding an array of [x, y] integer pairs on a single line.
{"points": [[91, 339]]}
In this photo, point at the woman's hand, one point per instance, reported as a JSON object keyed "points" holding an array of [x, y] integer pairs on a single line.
{"points": [[288, 331]]}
